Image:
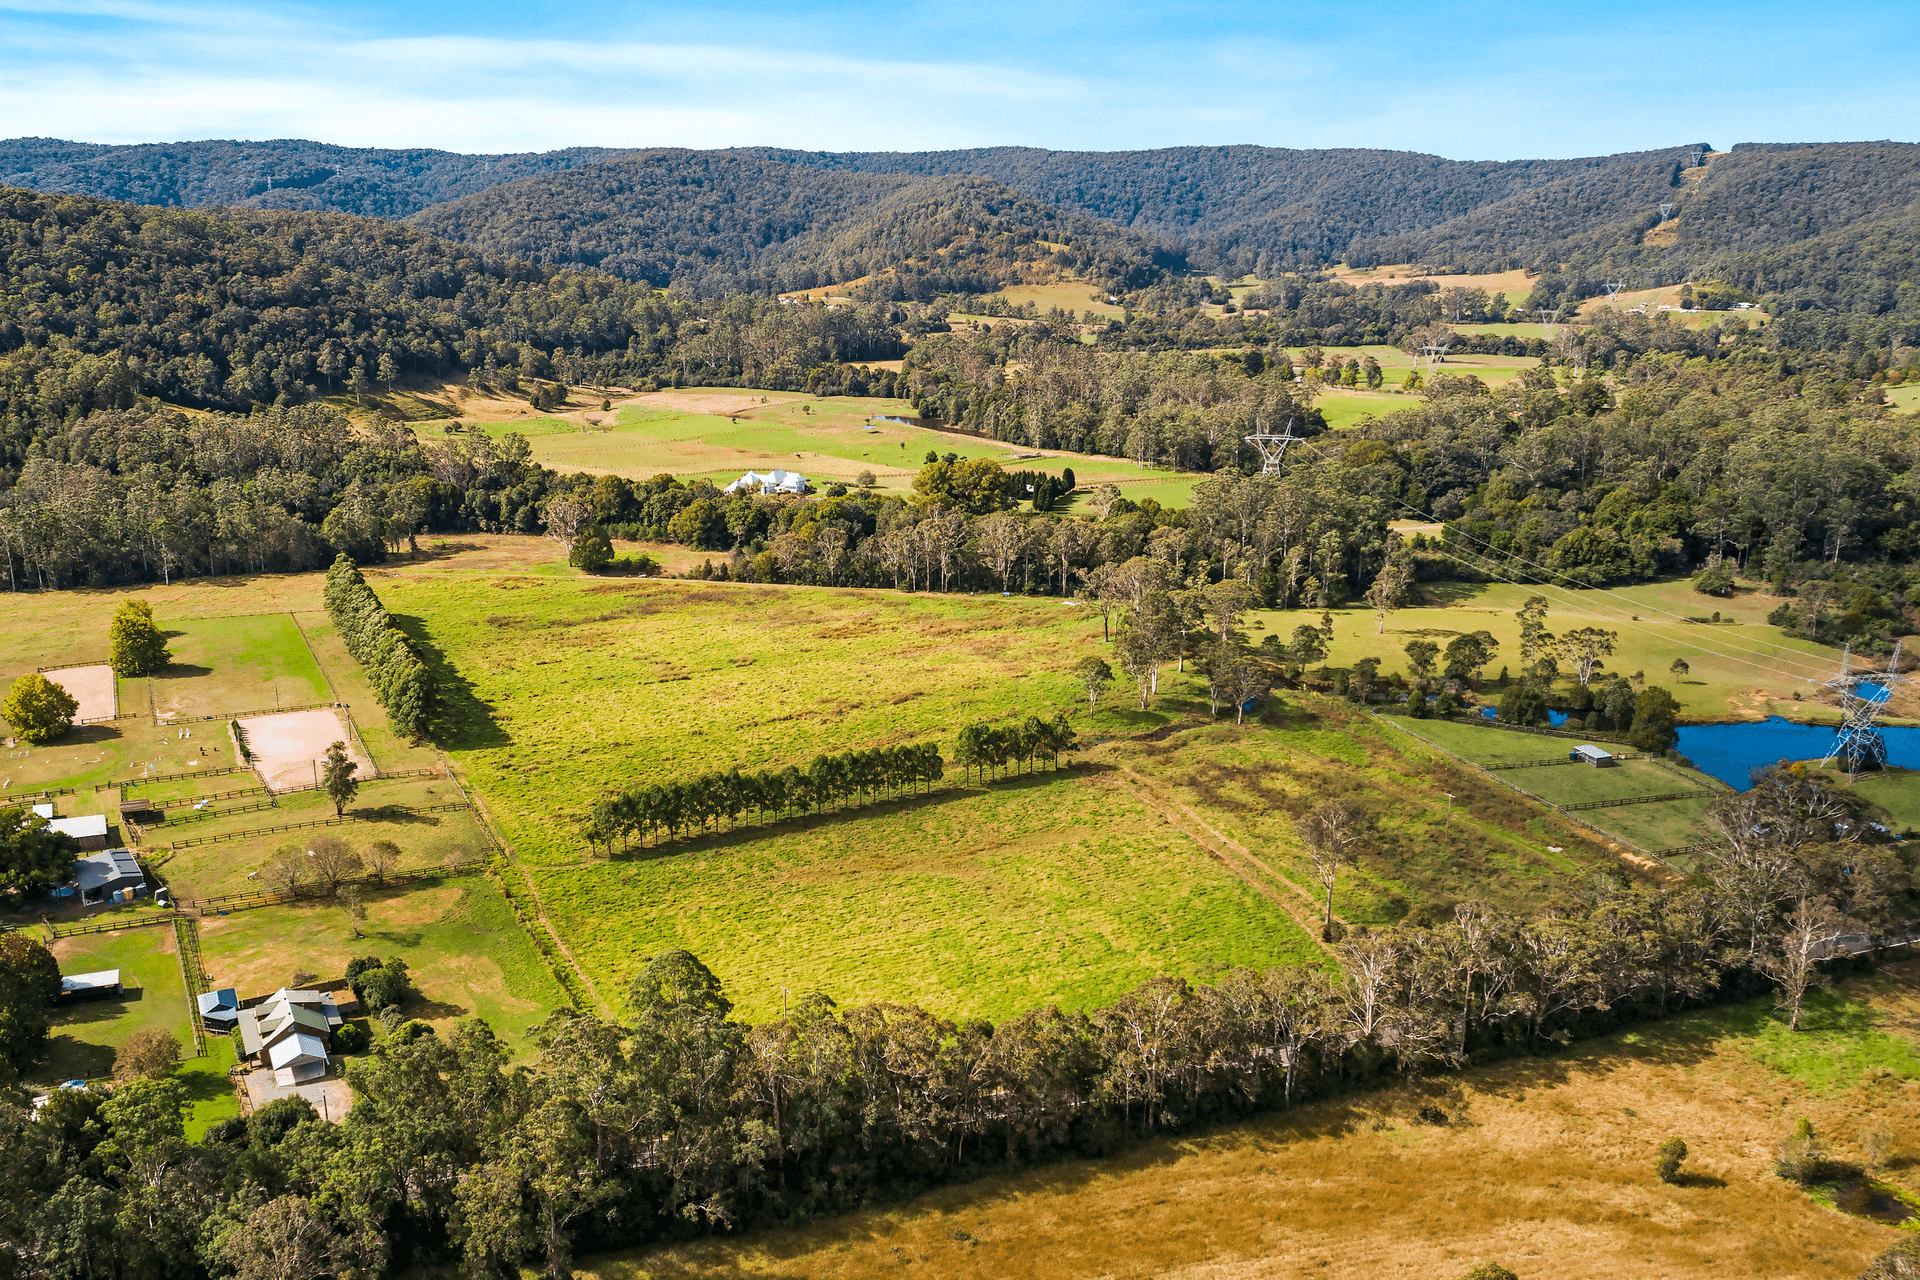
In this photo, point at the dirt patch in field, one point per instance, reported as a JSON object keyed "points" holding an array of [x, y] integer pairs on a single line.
{"points": [[288, 746], [92, 687], [694, 402]]}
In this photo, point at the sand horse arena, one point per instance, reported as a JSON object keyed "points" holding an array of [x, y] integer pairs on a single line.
{"points": [[289, 748]]}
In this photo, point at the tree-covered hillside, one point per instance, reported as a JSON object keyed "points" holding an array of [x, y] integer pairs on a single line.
{"points": [[286, 173], [1264, 209], [724, 222], [101, 302]]}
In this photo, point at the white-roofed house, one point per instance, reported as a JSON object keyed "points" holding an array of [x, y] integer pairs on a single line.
{"points": [[89, 829], [774, 481]]}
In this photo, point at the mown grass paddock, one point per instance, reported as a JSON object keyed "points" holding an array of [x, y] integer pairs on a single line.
{"points": [[1668, 803], [85, 1037], [468, 956], [232, 666], [1545, 1165]]}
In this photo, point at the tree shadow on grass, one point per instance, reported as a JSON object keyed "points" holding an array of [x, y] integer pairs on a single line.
{"points": [[67, 1058], [84, 735], [462, 719], [204, 1086], [400, 815]]}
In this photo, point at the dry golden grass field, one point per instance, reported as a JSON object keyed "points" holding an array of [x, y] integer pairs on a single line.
{"points": [[1546, 1166]]}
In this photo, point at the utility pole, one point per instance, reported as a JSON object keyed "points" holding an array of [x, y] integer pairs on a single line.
{"points": [[1449, 817]]}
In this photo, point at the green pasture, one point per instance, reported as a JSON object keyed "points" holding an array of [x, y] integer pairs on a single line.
{"points": [[1905, 398], [1665, 824], [1898, 792], [85, 1037], [1488, 744], [468, 956], [826, 439], [1068, 295], [1745, 670], [235, 666], [1253, 784], [426, 840], [1579, 783], [1050, 888], [559, 691], [211, 1096]]}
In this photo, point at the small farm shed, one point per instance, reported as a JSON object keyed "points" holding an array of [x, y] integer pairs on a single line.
{"points": [[220, 1010], [102, 984], [90, 830], [112, 875], [775, 481], [1587, 753]]}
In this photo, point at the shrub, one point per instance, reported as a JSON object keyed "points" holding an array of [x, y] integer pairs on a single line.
{"points": [[1490, 1271], [592, 551], [1901, 1261], [384, 987], [351, 1037], [152, 1053], [1672, 1152]]}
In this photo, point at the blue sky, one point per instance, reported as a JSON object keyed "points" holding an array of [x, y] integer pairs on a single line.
{"points": [[1469, 81]]}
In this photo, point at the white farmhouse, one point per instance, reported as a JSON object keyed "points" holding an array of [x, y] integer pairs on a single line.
{"points": [[775, 481]]}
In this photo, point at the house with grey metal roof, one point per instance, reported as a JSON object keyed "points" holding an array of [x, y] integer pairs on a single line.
{"points": [[290, 1032], [112, 875]]}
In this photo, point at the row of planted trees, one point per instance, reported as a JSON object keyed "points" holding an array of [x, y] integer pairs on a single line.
{"points": [[991, 748], [664, 810], [727, 798], [401, 680]]}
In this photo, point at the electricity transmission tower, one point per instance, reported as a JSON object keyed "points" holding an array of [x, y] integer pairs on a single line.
{"points": [[1272, 447], [1435, 353], [1858, 743], [1666, 211], [1613, 288], [1548, 318]]}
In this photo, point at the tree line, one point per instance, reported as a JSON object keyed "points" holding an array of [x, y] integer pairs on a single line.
{"points": [[852, 777], [683, 1117], [401, 680]]}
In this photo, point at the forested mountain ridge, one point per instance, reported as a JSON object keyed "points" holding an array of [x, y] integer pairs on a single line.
{"points": [[722, 222], [761, 219], [1252, 209], [285, 173]]}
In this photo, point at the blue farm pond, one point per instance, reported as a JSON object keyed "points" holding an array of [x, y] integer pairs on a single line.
{"points": [[1729, 751], [1554, 718]]}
